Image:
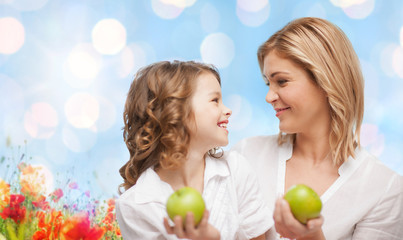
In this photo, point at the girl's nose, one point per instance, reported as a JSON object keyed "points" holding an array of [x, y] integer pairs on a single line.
{"points": [[227, 111]]}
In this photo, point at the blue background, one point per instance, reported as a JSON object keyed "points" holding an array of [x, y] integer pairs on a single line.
{"points": [[57, 69]]}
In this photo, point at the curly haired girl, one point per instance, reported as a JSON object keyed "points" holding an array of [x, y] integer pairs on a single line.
{"points": [[174, 120]]}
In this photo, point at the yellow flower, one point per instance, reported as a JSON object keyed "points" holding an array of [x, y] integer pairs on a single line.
{"points": [[2, 237], [32, 180], [4, 194]]}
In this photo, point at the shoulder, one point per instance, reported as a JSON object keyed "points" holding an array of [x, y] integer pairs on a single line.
{"points": [[256, 140], [255, 144], [236, 161], [374, 171], [128, 198]]}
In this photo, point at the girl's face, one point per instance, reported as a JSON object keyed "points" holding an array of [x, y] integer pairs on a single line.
{"points": [[300, 104], [209, 128]]}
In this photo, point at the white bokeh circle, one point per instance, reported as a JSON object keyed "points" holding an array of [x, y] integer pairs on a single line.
{"points": [[217, 49], [109, 36], [12, 34]]}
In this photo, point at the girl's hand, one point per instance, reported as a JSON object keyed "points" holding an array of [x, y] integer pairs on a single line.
{"points": [[204, 231], [289, 227]]}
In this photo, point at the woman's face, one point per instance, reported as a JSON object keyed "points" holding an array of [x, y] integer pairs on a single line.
{"points": [[300, 105]]}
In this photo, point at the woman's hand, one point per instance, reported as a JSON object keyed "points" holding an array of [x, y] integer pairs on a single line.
{"points": [[203, 231], [289, 227]]}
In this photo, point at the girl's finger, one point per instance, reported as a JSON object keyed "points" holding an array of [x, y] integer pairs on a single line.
{"points": [[168, 228]]}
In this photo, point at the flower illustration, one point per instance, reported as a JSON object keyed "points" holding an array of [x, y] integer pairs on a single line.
{"points": [[32, 180], [56, 195], [15, 210], [78, 227], [4, 193], [28, 211]]}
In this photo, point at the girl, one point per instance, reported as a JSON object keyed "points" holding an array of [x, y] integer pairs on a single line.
{"points": [[174, 119]]}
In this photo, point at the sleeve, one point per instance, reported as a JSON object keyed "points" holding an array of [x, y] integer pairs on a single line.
{"points": [[140, 223], [254, 214], [385, 221]]}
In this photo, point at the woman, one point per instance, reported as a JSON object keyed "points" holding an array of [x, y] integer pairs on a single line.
{"points": [[317, 90]]}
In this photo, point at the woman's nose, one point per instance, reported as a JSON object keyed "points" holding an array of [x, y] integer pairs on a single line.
{"points": [[271, 96]]}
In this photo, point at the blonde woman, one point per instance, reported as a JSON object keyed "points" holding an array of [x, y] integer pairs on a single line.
{"points": [[317, 90]]}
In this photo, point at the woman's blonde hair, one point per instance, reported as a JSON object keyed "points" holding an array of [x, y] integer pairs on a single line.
{"points": [[156, 116], [326, 54]]}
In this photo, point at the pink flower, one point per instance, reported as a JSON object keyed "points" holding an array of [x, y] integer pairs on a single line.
{"points": [[87, 193], [78, 227], [73, 185], [56, 195]]}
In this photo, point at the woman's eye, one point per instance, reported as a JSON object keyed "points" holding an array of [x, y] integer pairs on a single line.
{"points": [[281, 82], [215, 100]]}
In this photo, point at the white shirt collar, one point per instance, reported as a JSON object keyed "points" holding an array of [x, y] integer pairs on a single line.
{"points": [[150, 188]]}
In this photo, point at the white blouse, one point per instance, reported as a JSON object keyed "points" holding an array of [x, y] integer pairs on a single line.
{"points": [[365, 202], [231, 194]]}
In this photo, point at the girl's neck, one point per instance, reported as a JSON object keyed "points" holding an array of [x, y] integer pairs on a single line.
{"points": [[191, 174]]}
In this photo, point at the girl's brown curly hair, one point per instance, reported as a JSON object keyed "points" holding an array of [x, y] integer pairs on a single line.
{"points": [[156, 116]]}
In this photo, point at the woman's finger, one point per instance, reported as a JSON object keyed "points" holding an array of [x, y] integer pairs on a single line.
{"points": [[204, 221], [189, 225], [315, 224], [178, 228], [277, 217]]}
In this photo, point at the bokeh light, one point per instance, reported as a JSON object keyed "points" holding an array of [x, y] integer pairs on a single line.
{"points": [[241, 112], [78, 141], [179, 3], [84, 63], [107, 115], [209, 18], [82, 110], [217, 49], [28, 5], [386, 59], [252, 5], [165, 10], [356, 9], [109, 36], [401, 36], [346, 3], [41, 120], [397, 61], [255, 15], [12, 35]]}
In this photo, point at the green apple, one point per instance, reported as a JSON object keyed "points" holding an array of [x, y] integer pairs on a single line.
{"points": [[186, 200], [304, 202]]}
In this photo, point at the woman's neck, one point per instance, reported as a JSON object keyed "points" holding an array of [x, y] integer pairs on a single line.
{"points": [[315, 148]]}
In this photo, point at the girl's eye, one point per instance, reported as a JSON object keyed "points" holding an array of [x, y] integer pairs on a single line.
{"points": [[281, 82], [215, 100]]}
